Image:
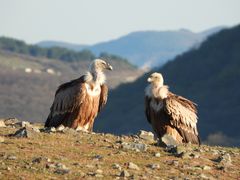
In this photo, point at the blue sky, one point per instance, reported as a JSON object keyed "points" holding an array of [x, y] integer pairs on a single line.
{"points": [[92, 21]]}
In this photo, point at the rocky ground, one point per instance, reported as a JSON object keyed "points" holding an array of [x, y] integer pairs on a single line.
{"points": [[28, 151]]}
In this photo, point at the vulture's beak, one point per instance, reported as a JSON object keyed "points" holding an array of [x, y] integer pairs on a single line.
{"points": [[109, 67]]}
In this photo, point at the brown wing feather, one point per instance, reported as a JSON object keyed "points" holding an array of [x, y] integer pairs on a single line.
{"points": [[67, 102], [147, 108], [103, 97], [183, 117]]}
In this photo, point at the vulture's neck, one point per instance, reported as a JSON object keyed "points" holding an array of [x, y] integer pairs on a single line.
{"points": [[96, 77], [160, 92]]}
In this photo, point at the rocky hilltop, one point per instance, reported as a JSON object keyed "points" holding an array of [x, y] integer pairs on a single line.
{"points": [[29, 151]]}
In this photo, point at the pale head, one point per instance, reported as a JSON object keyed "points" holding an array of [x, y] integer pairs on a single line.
{"points": [[156, 78], [99, 65]]}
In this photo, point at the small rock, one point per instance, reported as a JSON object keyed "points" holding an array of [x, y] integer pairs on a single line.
{"points": [[91, 174], [167, 140], [68, 130], [116, 166], [62, 171], [11, 157], [195, 155], [2, 139], [225, 159], [157, 154], [172, 149], [90, 166], [99, 171], [2, 123], [206, 168], [185, 155], [149, 136], [49, 130], [99, 175], [60, 165], [134, 146], [23, 124], [133, 166], [60, 128], [153, 166], [76, 164], [203, 176], [27, 131], [50, 165], [215, 152], [37, 160], [98, 157], [11, 121], [124, 173], [173, 162]]}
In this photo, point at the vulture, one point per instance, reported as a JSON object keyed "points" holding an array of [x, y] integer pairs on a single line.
{"points": [[77, 103], [169, 113]]}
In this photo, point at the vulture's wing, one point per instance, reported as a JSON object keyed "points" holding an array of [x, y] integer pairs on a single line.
{"points": [[183, 116], [103, 97], [147, 108], [65, 107]]}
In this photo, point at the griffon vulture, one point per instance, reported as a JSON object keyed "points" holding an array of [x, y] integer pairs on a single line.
{"points": [[169, 113], [78, 102]]}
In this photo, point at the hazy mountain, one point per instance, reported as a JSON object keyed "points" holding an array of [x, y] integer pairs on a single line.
{"points": [[208, 75], [71, 46], [145, 48]]}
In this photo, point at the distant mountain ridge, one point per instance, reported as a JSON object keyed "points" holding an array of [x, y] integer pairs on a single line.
{"points": [[70, 46], [151, 48]]}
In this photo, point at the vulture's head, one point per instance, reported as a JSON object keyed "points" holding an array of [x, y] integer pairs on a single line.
{"points": [[100, 65], [156, 78]]}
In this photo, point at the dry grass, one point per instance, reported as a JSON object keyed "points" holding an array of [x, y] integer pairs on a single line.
{"points": [[78, 151]]}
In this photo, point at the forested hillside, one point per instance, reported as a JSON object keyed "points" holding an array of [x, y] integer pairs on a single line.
{"points": [[208, 75], [29, 79]]}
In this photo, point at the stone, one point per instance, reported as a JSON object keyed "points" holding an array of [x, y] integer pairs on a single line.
{"points": [[28, 131], [60, 128], [149, 136], [76, 164], [99, 175], [204, 176], [70, 131], [167, 140], [50, 165], [172, 149], [90, 166], [173, 162], [37, 160], [206, 168], [2, 123], [131, 165], [11, 157], [2, 139], [134, 146], [98, 157], [224, 159], [62, 171], [23, 124], [124, 173], [153, 166], [116, 166], [60, 165], [99, 171], [157, 154], [10, 121]]}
